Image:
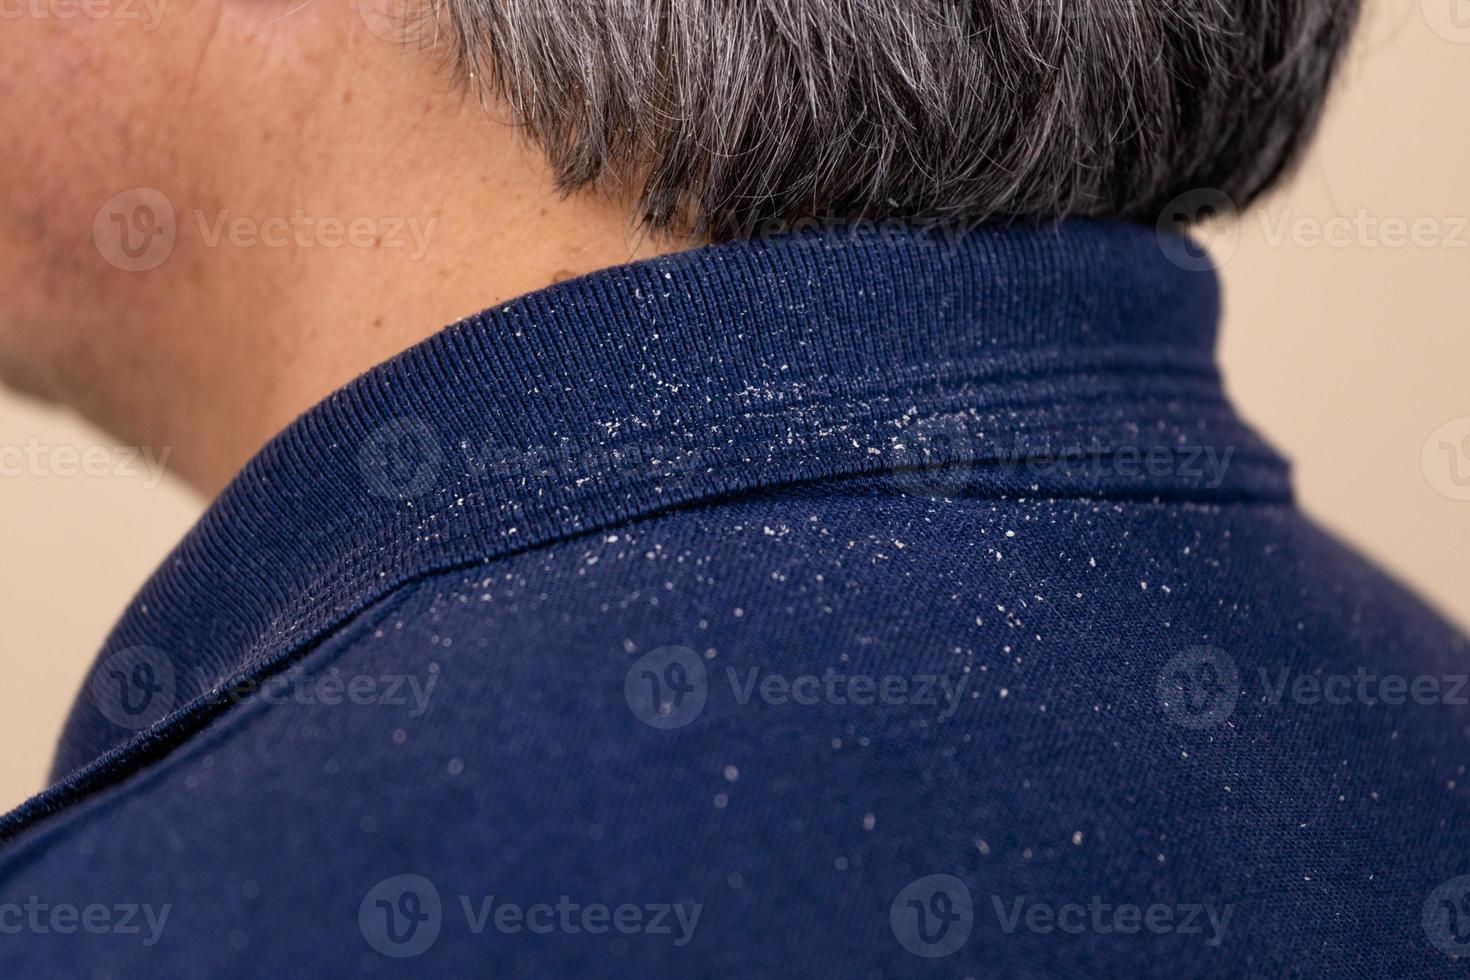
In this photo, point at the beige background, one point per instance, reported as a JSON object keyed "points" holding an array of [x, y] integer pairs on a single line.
{"points": [[1348, 350]]}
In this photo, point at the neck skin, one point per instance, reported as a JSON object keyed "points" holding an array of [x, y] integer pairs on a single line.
{"points": [[469, 217], [272, 138], [470, 238]]}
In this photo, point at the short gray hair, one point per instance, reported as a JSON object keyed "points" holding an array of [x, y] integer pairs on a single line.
{"points": [[724, 116]]}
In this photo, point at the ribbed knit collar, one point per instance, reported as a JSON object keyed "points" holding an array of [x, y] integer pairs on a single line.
{"points": [[729, 368]]}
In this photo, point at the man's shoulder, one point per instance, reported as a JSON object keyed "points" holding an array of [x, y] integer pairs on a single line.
{"points": [[799, 707]]}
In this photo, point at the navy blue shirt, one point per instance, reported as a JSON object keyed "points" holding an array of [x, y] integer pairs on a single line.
{"points": [[850, 603]]}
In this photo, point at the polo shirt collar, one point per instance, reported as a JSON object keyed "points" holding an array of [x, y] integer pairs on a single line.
{"points": [[980, 362]]}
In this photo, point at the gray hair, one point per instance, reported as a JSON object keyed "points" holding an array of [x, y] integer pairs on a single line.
{"points": [[723, 116]]}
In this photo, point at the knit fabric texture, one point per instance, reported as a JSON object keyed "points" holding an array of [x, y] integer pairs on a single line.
{"points": [[861, 602]]}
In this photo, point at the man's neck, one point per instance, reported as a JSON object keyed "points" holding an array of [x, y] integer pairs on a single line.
{"points": [[348, 203], [333, 328]]}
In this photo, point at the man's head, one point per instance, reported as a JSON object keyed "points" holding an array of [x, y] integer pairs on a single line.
{"points": [[213, 211]]}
